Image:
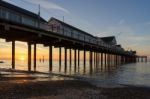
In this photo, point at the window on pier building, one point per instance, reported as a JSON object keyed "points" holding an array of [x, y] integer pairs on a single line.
{"points": [[81, 36], [14, 17], [28, 21], [75, 34], [3, 13]]}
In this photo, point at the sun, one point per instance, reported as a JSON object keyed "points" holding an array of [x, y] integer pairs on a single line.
{"points": [[22, 58]]}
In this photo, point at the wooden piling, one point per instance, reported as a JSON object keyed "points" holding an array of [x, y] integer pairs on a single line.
{"points": [[102, 60], [70, 58], [13, 54], [116, 56], [29, 56], [65, 59], [108, 60], [75, 59], [91, 63], [34, 56], [84, 61], [105, 60], [78, 58], [60, 57], [146, 59], [50, 58], [96, 59]]}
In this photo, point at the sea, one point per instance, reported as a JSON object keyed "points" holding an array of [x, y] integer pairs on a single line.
{"points": [[134, 74]]}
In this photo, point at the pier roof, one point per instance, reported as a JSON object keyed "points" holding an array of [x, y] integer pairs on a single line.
{"points": [[70, 26], [110, 40]]}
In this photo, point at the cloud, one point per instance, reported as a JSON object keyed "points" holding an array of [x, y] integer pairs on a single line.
{"points": [[122, 21], [47, 5]]}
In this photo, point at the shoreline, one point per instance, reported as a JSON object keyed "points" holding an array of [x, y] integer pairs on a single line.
{"points": [[28, 87]]}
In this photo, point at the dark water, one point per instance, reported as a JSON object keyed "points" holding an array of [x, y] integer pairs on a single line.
{"points": [[137, 74]]}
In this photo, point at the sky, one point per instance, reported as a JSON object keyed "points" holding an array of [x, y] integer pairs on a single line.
{"points": [[128, 20]]}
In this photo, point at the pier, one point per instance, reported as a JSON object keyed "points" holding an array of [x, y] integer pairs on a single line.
{"points": [[33, 29]]}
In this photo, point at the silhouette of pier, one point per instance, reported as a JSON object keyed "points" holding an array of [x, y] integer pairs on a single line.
{"points": [[17, 24]]}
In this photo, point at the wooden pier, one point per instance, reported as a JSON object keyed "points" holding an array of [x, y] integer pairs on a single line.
{"points": [[61, 35]]}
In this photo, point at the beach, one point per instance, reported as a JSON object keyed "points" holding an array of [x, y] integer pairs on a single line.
{"points": [[29, 87]]}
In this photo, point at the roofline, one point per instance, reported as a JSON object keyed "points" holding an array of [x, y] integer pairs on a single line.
{"points": [[83, 32], [108, 36], [22, 10]]}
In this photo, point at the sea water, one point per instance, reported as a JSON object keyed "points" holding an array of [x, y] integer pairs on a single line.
{"points": [[137, 74]]}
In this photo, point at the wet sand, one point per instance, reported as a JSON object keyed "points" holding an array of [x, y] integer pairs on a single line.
{"points": [[29, 88]]}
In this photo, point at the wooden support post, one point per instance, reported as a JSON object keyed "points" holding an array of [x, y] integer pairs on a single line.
{"points": [[29, 56], [13, 54], [125, 59], [65, 59], [113, 60], [60, 57], [105, 60], [78, 58], [116, 56], [101, 59], [118, 59], [50, 57], [128, 59], [135, 59], [70, 58], [108, 60], [84, 56], [96, 59], [121, 60], [90, 58], [91, 64], [34, 56], [75, 57]]}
